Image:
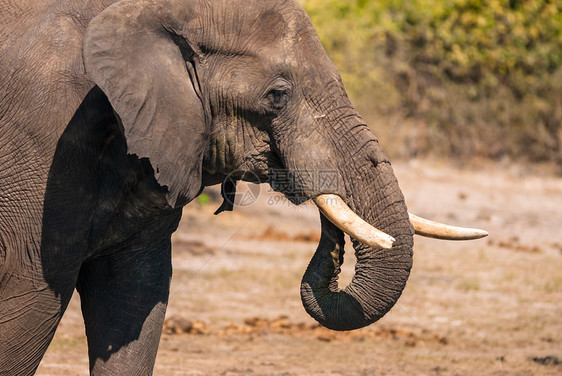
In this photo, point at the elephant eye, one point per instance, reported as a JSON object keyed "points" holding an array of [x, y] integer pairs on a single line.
{"points": [[278, 98]]}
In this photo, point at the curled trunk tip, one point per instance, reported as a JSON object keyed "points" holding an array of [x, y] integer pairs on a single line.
{"points": [[380, 277]]}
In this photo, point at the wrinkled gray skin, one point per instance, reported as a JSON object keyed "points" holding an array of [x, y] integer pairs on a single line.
{"points": [[112, 117]]}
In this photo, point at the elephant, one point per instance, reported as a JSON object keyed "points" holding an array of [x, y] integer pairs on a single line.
{"points": [[114, 115]]}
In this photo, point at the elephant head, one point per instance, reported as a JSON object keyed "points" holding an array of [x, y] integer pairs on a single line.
{"points": [[204, 88]]}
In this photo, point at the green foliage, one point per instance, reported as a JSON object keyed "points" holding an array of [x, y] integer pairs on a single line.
{"points": [[462, 77], [203, 199]]}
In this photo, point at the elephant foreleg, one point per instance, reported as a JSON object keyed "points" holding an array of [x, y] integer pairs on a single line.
{"points": [[29, 315], [124, 298]]}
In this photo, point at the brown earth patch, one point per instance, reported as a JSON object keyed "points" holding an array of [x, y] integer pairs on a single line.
{"points": [[271, 234], [514, 243], [260, 326]]}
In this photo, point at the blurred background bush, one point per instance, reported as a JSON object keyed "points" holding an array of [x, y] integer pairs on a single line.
{"points": [[461, 78]]}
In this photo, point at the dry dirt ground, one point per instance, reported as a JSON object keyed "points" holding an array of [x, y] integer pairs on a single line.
{"points": [[487, 307]]}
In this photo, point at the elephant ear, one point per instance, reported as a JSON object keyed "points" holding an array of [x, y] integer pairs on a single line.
{"points": [[132, 54]]}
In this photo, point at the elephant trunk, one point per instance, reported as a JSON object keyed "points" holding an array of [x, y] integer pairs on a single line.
{"points": [[372, 192]]}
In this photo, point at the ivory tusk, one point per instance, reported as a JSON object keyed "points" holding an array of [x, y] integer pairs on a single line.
{"points": [[337, 211], [430, 229]]}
